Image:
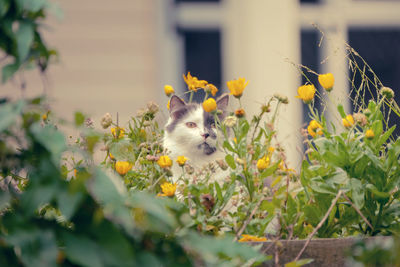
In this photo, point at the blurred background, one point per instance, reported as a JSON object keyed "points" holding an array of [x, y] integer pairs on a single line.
{"points": [[117, 55]]}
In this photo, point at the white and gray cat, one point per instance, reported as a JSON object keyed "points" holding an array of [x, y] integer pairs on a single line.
{"points": [[191, 132]]}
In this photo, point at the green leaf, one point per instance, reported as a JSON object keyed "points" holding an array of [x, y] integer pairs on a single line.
{"points": [[9, 113], [357, 192], [79, 118], [8, 71], [82, 251], [50, 138], [24, 38], [33, 5], [298, 263], [4, 6], [123, 150], [376, 192], [231, 161], [68, 203], [270, 170], [341, 110], [228, 146]]}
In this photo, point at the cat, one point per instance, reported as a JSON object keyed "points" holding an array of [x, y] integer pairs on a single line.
{"points": [[190, 131]]}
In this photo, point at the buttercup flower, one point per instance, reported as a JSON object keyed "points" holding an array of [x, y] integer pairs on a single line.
{"points": [[230, 121], [369, 134], [209, 105], [181, 160], [164, 162], [211, 88], [237, 87], [252, 238], [312, 127], [118, 132], [169, 90], [168, 190], [327, 81], [263, 163], [106, 121], [348, 121], [122, 167], [306, 93], [193, 82], [240, 112]]}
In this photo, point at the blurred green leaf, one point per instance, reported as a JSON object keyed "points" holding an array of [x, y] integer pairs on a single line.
{"points": [[9, 113], [79, 119], [8, 71], [357, 192], [231, 161], [24, 38], [82, 251]]}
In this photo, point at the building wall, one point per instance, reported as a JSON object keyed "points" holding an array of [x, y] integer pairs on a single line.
{"points": [[108, 59]]}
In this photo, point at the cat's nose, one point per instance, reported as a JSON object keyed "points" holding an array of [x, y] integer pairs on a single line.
{"points": [[205, 135]]}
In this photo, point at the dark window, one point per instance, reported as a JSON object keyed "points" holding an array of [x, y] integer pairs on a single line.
{"points": [[309, 1], [311, 59], [380, 48], [202, 50]]}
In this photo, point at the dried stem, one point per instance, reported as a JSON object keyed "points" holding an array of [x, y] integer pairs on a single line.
{"points": [[239, 233], [358, 211], [319, 225]]}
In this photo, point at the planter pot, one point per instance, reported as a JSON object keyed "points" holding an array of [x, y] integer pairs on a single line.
{"points": [[325, 251]]}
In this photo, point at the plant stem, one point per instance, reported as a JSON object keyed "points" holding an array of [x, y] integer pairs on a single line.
{"points": [[319, 225]]}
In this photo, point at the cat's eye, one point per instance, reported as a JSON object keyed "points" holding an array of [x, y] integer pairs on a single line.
{"points": [[212, 125], [191, 125]]}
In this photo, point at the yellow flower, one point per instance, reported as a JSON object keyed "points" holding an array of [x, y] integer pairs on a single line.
{"points": [[348, 121], [117, 132], [271, 149], [235, 140], [369, 134], [169, 90], [169, 103], [164, 162], [181, 160], [44, 116], [209, 105], [312, 127], [252, 238], [327, 81], [111, 156], [75, 172], [237, 86], [263, 163], [306, 93], [240, 112], [211, 88], [122, 167], [168, 190], [193, 82]]}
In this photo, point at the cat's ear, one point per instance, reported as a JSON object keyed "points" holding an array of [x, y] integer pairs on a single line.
{"points": [[223, 101], [175, 104], [176, 107]]}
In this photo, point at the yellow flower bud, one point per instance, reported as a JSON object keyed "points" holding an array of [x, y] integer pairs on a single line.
{"points": [[209, 105], [169, 90], [181, 160], [369, 134], [312, 127], [122, 167], [164, 162], [117, 132], [327, 81], [262, 163], [211, 88], [168, 189], [236, 87], [348, 121], [306, 93]]}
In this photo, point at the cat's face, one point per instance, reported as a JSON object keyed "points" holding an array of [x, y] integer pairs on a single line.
{"points": [[191, 126]]}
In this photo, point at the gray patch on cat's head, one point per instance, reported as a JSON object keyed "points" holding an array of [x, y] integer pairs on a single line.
{"points": [[178, 111]]}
